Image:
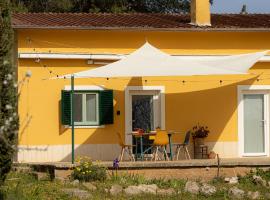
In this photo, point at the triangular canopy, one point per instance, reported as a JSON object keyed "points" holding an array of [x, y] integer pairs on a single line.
{"points": [[150, 61]]}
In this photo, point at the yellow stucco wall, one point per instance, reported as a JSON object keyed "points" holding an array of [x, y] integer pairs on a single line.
{"points": [[199, 99]]}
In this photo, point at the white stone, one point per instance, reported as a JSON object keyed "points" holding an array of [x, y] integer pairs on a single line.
{"points": [[259, 180], [192, 187], [132, 190], [232, 180], [236, 192], [165, 192], [208, 190], [116, 189], [152, 189], [75, 192], [75, 182], [253, 195], [90, 186]]}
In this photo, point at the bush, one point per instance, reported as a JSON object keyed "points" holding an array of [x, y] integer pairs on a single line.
{"points": [[8, 92], [87, 171]]}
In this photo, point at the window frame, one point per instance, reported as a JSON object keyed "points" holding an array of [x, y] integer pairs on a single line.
{"points": [[84, 122]]}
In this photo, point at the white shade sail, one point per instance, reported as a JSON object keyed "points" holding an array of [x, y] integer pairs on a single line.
{"points": [[150, 61]]}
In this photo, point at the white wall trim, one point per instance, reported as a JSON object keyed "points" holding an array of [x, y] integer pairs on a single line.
{"points": [[85, 87], [259, 89], [71, 56], [86, 127], [161, 89], [62, 152], [111, 56]]}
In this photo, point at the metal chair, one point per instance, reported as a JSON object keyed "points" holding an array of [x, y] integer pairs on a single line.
{"points": [[183, 145], [160, 142], [125, 148]]}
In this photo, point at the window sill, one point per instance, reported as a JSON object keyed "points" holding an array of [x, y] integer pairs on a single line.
{"points": [[86, 127]]}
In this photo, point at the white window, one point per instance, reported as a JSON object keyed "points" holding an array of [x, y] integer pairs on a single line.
{"points": [[86, 108]]}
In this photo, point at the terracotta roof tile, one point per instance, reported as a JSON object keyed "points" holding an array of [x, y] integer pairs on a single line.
{"points": [[135, 21]]}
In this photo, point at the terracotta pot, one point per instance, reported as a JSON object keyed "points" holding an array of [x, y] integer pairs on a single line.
{"points": [[199, 141]]}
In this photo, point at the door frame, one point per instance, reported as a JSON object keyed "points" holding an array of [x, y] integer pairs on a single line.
{"points": [[157, 91], [252, 89]]}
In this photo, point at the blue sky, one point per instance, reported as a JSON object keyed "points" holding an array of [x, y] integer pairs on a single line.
{"points": [[235, 6]]}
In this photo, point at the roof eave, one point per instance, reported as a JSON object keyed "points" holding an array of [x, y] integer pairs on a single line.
{"points": [[196, 29]]}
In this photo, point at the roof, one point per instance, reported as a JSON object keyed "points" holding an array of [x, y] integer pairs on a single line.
{"points": [[141, 21]]}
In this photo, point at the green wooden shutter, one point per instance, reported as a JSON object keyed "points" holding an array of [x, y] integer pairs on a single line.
{"points": [[65, 107], [106, 107]]}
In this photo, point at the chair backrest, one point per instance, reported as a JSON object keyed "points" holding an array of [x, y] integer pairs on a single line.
{"points": [[187, 138], [120, 139], [161, 138]]}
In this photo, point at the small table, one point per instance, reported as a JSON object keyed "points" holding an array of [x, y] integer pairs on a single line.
{"points": [[152, 133], [141, 135]]}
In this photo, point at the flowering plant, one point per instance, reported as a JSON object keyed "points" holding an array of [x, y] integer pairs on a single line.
{"points": [[87, 171], [199, 131], [139, 131]]}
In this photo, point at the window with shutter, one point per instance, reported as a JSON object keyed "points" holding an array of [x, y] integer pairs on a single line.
{"points": [[65, 107], [90, 107], [106, 107]]}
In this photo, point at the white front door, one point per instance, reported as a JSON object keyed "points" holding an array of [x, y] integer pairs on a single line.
{"points": [[255, 123], [144, 108]]}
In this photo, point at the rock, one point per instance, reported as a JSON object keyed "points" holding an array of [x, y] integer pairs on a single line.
{"points": [[227, 179], [208, 190], [75, 192], [90, 186], [116, 189], [236, 192], [192, 187], [75, 182], [259, 180], [152, 189], [132, 190], [253, 195], [166, 192], [232, 180], [207, 168]]}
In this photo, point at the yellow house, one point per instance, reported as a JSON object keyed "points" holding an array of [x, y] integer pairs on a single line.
{"points": [[234, 107]]}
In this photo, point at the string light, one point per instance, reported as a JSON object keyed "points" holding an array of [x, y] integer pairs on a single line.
{"points": [[38, 60]]}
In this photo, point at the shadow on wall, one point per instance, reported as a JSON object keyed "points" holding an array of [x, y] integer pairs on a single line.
{"points": [[212, 107]]}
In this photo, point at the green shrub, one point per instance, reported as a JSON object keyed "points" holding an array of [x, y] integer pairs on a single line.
{"points": [[87, 171]]}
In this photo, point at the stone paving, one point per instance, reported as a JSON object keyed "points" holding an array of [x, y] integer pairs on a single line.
{"points": [[224, 162]]}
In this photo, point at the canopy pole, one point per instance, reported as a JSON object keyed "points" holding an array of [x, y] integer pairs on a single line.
{"points": [[72, 119]]}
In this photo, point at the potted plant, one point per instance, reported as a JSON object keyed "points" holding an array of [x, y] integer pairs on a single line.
{"points": [[199, 133]]}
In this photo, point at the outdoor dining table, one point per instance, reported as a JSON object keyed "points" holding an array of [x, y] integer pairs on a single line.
{"points": [[152, 133]]}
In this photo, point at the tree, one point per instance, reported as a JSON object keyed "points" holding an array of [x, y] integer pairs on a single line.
{"points": [[108, 6], [8, 92]]}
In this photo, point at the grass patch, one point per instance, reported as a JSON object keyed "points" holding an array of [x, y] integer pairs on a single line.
{"points": [[23, 186]]}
